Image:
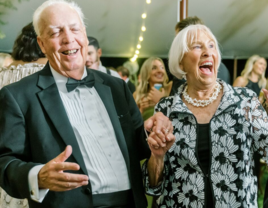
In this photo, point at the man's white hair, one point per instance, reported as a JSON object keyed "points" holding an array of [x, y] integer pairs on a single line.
{"points": [[180, 46], [40, 9]]}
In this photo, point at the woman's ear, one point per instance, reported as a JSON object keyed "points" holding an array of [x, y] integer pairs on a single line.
{"points": [[181, 66]]}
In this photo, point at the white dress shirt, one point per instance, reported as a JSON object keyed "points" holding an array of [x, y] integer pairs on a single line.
{"points": [[96, 138], [104, 70]]}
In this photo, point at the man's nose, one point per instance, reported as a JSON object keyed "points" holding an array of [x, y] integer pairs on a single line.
{"points": [[68, 37]]}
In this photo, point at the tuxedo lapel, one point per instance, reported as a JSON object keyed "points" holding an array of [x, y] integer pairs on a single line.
{"points": [[52, 103], [105, 94]]}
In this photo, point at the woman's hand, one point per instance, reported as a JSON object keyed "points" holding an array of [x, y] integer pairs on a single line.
{"points": [[145, 103], [265, 93], [155, 95], [159, 146]]}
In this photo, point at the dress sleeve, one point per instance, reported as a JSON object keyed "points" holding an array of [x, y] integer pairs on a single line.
{"points": [[259, 121], [163, 106]]}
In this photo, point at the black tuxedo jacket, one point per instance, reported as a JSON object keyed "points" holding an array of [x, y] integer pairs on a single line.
{"points": [[34, 128], [131, 86]]}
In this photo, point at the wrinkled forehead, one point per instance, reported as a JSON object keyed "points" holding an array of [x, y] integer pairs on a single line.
{"points": [[199, 35], [58, 15]]}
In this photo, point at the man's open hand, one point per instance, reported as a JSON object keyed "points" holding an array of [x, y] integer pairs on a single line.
{"points": [[52, 175]]}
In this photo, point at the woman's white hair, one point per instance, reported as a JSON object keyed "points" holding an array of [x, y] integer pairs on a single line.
{"points": [[40, 9], [180, 46]]}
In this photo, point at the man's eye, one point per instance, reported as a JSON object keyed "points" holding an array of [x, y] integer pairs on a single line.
{"points": [[55, 33]]}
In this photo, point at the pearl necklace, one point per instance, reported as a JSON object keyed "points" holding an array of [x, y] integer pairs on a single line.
{"points": [[202, 103]]}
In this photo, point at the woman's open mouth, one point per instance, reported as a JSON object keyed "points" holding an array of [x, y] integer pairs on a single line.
{"points": [[206, 68]]}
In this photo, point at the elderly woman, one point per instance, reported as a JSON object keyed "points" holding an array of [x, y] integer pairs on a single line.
{"points": [[217, 129]]}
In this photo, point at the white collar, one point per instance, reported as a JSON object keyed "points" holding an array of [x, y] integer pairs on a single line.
{"points": [[62, 80]]}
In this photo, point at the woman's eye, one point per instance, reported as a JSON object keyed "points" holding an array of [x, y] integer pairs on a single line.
{"points": [[211, 45], [197, 46]]}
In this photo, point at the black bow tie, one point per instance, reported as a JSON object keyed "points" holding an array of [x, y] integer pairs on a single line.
{"points": [[73, 83]]}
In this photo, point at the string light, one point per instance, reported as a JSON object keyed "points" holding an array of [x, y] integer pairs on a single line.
{"points": [[133, 59], [143, 29], [143, 16]]}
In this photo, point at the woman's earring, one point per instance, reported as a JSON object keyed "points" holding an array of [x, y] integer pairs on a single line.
{"points": [[184, 76]]}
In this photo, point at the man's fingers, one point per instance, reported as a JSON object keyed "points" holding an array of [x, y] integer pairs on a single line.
{"points": [[154, 140], [66, 186], [64, 155], [65, 166], [71, 177]]}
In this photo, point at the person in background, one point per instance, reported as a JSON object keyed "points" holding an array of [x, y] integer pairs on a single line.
{"points": [[223, 72], [217, 129], [124, 73], [72, 136], [5, 59], [93, 58], [253, 75], [148, 92], [28, 59]]}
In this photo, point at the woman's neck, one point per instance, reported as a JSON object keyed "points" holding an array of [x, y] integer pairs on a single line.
{"points": [[200, 94], [254, 77]]}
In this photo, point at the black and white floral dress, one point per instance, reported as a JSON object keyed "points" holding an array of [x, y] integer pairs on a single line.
{"points": [[238, 129]]}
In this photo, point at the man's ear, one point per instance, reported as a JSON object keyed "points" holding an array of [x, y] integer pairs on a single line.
{"points": [[99, 52], [41, 44]]}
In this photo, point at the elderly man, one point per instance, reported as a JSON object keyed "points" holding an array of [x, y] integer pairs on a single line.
{"points": [[72, 137]]}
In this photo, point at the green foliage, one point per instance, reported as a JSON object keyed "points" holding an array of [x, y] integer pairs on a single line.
{"points": [[4, 6]]}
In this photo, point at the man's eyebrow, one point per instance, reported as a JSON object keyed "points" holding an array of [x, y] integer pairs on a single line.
{"points": [[54, 26]]}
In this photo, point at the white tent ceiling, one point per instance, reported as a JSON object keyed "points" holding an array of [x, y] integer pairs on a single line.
{"points": [[239, 25]]}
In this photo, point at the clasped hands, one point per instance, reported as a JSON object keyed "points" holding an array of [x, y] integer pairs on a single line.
{"points": [[161, 136]]}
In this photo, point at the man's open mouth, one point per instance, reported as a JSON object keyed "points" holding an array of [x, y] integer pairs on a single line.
{"points": [[70, 52]]}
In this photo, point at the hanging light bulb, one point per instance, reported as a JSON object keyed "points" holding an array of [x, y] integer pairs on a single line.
{"points": [[141, 38], [148, 1], [144, 15], [137, 51], [143, 28], [138, 46], [135, 56], [133, 59]]}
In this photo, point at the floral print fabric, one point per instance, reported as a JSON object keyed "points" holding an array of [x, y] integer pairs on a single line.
{"points": [[238, 129]]}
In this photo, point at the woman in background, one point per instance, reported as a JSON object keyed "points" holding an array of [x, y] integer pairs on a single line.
{"points": [[27, 56], [253, 75], [148, 93], [28, 59]]}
